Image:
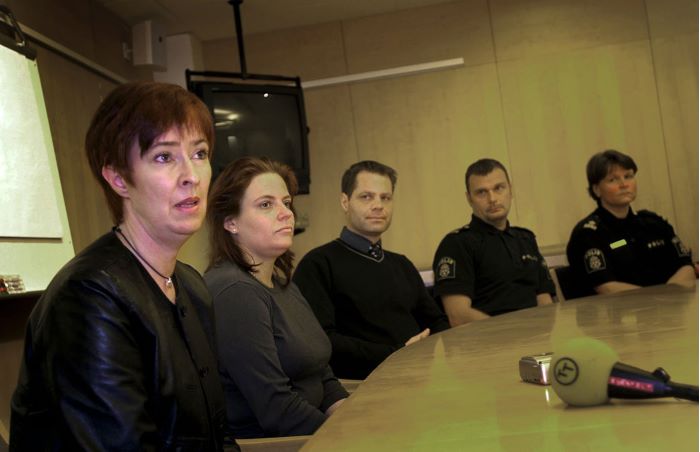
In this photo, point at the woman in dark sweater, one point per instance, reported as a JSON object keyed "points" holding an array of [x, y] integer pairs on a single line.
{"points": [[273, 352]]}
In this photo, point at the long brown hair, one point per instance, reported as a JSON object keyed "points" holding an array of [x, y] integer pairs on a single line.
{"points": [[225, 201]]}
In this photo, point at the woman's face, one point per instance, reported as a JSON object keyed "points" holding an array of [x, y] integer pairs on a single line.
{"points": [[167, 196], [265, 226], [618, 189]]}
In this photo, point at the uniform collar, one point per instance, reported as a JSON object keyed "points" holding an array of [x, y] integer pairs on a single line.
{"points": [[361, 244], [480, 225], [608, 217]]}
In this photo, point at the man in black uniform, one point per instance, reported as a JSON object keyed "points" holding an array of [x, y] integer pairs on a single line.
{"points": [[489, 267], [369, 301], [614, 248]]}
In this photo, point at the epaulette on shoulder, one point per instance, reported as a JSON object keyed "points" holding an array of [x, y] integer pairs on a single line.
{"points": [[521, 229], [652, 217], [591, 222], [649, 214], [458, 230]]}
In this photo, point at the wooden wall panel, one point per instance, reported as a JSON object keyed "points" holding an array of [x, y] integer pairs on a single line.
{"points": [[536, 27], [420, 35], [674, 41], [332, 149], [67, 22], [72, 94], [560, 110], [195, 252], [672, 17], [430, 128], [676, 65], [311, 52], [86, 28]]}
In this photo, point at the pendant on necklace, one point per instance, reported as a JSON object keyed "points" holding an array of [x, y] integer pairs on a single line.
{"points": [[169, 282]]}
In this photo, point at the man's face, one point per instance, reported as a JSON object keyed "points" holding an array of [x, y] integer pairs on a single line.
{"points": [[489, 197], [368, 209]]}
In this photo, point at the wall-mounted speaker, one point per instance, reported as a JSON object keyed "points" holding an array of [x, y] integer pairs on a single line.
{"points": [[149, 44]]}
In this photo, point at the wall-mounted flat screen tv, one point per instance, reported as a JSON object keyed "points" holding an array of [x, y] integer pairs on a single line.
{"points": [[258, 120]]}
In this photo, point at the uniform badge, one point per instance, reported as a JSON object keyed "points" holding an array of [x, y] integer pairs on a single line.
{"points": [[618, 244], [657, 243], [682, 250], [594, 260], [445, 269], [591, 224]]}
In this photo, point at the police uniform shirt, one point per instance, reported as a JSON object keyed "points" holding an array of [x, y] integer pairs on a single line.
{"points": [[640, 249], [500, 271]]}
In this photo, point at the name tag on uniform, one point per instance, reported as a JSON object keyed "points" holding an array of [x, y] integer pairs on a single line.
{"points": [[619, 243]]}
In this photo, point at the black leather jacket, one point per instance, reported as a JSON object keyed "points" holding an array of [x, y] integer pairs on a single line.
{"points": [[110, 364]]}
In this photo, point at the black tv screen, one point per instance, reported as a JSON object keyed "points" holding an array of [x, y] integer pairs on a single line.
{"points": [[258, 120]]}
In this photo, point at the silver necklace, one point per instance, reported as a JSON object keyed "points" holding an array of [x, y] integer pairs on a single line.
{"points": [[168, 279]]}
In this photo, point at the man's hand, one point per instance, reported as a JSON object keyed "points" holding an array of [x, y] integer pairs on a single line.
{"points": [[459, 310], [418, 337], [334, 407]]}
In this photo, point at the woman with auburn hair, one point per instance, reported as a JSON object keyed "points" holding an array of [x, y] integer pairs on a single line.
{"points": [[119, 348], [273, 354]]}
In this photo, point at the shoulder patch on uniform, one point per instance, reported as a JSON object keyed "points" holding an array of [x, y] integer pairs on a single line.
{"points": [[590, 224], [594, 260], [520, 228], [647, 213], [683, 251], [529, 258], [650, 214], [445, 269]]}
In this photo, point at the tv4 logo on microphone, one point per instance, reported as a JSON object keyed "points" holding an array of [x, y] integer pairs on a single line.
{"points": [[566, 371]]}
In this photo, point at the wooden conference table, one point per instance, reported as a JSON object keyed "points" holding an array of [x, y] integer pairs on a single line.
{"points": [[460, 390]]}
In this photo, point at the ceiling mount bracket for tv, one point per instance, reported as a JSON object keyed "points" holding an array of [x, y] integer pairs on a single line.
{"points": [[236, 4], [243, 74]]}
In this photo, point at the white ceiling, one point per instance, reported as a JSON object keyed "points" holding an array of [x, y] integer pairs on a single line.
{"points": [[213, 19]]}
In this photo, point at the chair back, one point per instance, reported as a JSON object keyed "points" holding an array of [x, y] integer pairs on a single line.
{"points": [[570, 285]]}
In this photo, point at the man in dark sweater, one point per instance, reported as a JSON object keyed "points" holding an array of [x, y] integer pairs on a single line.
{"points": [[369, 301]]}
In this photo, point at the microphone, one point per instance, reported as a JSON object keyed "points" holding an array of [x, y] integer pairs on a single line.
{"points": [[587, 372]]}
